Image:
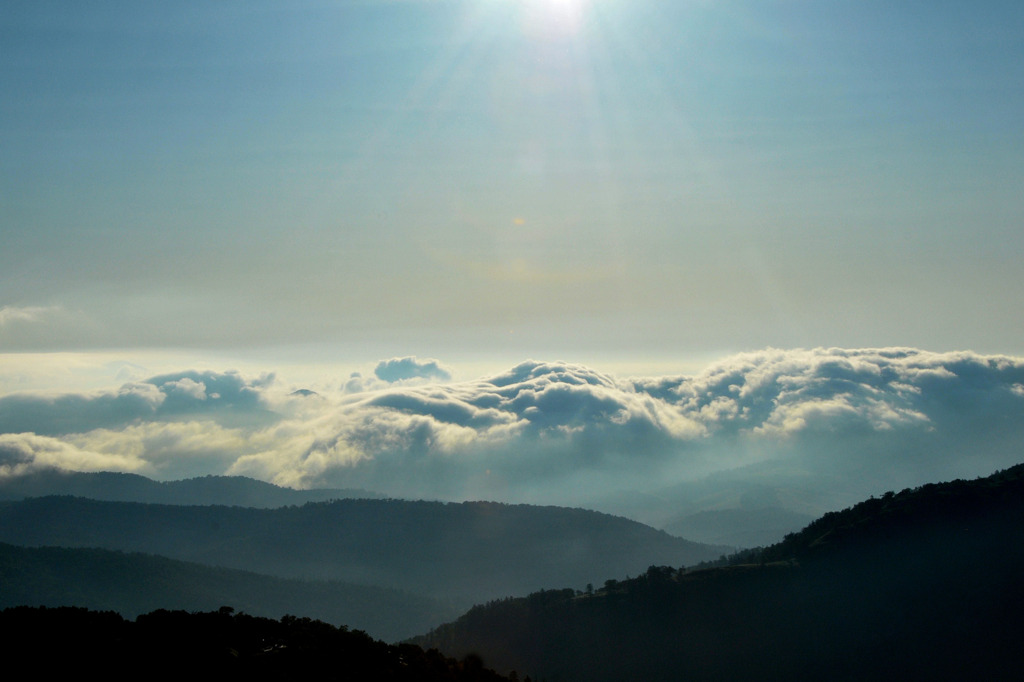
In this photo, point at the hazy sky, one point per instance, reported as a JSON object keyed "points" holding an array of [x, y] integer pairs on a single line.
{"points": [[507, 179]]}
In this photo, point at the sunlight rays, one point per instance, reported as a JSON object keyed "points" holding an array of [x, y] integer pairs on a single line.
{"points": [[520, 77], [554, 17]]}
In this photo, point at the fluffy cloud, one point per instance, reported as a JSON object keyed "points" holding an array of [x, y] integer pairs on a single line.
{"points": [[862, 420], [54, 415], [24, 452], [400, 369], [785, 392], [161, 397]]}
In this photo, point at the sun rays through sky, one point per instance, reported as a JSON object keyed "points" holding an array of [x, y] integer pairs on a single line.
{"points": [[587, 179]]}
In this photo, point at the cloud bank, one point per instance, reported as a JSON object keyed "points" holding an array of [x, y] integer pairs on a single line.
{"points": [[859, 420]]}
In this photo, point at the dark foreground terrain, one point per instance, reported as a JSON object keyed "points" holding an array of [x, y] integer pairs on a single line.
{"points": [[42, 642]]}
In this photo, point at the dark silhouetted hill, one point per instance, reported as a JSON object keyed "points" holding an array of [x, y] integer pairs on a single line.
{"points": [[131, 584], [211, 645], [463, 553], [121, 487], [924, 584]]}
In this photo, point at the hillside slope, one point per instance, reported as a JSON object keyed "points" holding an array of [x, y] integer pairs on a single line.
{"points": [[132, 584], [465, 553], [74, 642], [923, 584]]}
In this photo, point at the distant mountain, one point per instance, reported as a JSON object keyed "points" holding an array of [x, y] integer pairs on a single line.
{"points": [[131, 584], [922, 585], [75, 642], [120, 487], [465, 553], [746, 507], [738, 527]]}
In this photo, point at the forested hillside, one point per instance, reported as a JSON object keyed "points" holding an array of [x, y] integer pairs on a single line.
{"points": [[76, 642], [464, 553], [923, 584], [132, 584]]}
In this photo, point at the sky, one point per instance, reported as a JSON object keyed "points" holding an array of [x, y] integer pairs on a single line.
{"points": [[304, 190], [511, 178]]}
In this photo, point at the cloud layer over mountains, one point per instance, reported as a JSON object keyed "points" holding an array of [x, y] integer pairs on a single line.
{"points": [[864, 420]]}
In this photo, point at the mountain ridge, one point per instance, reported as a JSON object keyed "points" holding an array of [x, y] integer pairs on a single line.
{"points": [[464, 552], [132, 583], [241, 491]]}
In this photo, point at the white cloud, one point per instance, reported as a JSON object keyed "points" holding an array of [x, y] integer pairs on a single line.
{"points": [[170, 449], [24, 452], [540, 429], [186, 388], [400, 369]]}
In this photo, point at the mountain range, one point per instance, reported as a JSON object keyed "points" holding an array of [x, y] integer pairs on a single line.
{"points": [[238, 491], [132, 584], [459, 553], [918, 584]]}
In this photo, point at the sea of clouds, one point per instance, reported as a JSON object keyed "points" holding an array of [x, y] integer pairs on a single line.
{"points": [[846, 422]]}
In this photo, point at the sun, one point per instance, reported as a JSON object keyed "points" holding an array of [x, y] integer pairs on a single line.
{"points": [[561, 16]]}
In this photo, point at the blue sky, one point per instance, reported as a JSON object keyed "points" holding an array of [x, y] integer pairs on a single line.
{"points": [[511, 179]]}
